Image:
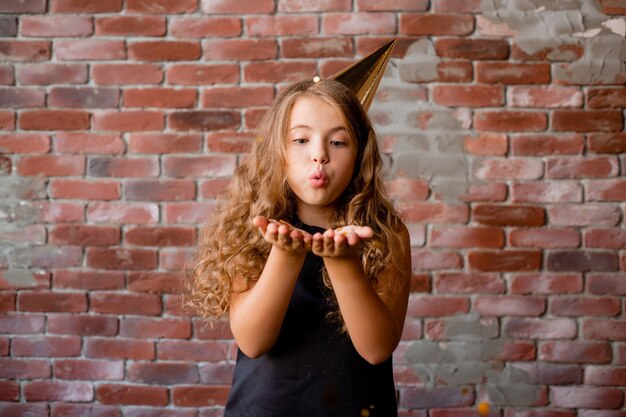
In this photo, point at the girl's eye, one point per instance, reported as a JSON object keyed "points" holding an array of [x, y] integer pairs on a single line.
{"points": [[337, 143], [300, 141]]}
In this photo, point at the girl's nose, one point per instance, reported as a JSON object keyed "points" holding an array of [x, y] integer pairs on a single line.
{"points": [[319, 158]]}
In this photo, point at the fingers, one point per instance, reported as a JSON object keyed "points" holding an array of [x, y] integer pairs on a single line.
{"points": [[283, 235], [364, 232]]}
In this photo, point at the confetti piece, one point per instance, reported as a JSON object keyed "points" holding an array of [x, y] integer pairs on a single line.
{"points": [[483, 408]]}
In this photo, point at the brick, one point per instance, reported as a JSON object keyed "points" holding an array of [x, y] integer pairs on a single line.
{"points": [[547, 144], [121, 304], [131, 395], [435, 212], [16, 97], [162, 6], [85, 6], [607, 142], [236, 6], [583, 215], [25, 51], [560, 52], [546, 283], [58, 391], [131, 26], [550, 238], [602, 166], [199, 396], [433, 306], [119, 348], [160, 97], [544, 97], [539, 328], [606, 284], [512, 73], [86, 369], [606, 190], [551, 374], [318, 47], [587, 120], [389, 5], [84, 189], [612, 7], [468, 96], [199, 351], [295, 6], [84, 235], [24, 369], [275, 72], [159, 190], [604, 329], [402, 188], [33, 234], [56, 26], [22, 324], [425, 24], [6, 75], [155, 328], [487, 26], [239, 49], [468, 283], [79, 410], [164, 50], [199, 166], [230, 142], [194, 74], [46, 346], [472, 49], [509, 306], [359, 23], [9, 391], [54, 120], [89, 143], [466, 237], [89, 49], [60, 211], [252, 118], [121, 74], [173, 259], [212, 329], [7, 120], [586, 397], [88, 280], [51, 165], [576, 306], [52, 302], [20, 280], [204, 120], [46, 257], [83, 97], [281, 25], [237, 97], [367, 44], [23, 6], [120, 258], [575, 352], [509, 169], [128, 121], [582, 261], [160, 236], [164, 143], [205, 27], [508, 215], [510, 121], [51, 73], [211, 188], [601, 98], [216, 373], [437, 397], [547, 192], [192, 212], [603, 376], [123, 167], [509, 260], [427, 260], [24, 143], [155, 282], [163, 373]]}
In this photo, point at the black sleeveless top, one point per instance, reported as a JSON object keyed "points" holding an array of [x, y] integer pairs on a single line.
{"points": [[313, 369]]}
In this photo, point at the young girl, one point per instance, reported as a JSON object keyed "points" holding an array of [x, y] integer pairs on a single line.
{"points": [[316, 309]]}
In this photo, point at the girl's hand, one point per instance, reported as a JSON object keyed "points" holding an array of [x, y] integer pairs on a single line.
{"points": [[342, 242], [283, 235]]}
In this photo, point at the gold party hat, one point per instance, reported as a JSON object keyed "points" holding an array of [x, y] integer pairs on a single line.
{"points": [[364, 76]]}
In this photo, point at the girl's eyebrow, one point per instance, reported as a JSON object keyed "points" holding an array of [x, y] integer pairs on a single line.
{"points": [[333, 130]]}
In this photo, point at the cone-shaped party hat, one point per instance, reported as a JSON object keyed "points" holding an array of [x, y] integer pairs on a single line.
{"points": [[364, 76]]}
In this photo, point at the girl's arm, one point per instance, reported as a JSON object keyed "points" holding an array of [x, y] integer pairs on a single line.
{"points": [[375, 327], [257, 313]]}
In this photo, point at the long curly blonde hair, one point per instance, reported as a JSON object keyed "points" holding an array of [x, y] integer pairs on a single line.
{"points": [[230, 245]]}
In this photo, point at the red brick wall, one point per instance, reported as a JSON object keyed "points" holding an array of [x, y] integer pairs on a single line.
{"points": [[121, 120]]}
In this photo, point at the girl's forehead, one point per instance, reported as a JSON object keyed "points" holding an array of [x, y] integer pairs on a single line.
{"points": [[315, 109]]}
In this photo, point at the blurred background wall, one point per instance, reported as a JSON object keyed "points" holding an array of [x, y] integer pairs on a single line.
{"points": [[502, 124]]}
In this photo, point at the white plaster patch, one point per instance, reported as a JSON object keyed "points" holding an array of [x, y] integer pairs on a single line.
{"points": [[617, 26]]}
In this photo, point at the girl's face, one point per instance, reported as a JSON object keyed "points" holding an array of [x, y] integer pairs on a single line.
{"points": [[320, 157]]}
